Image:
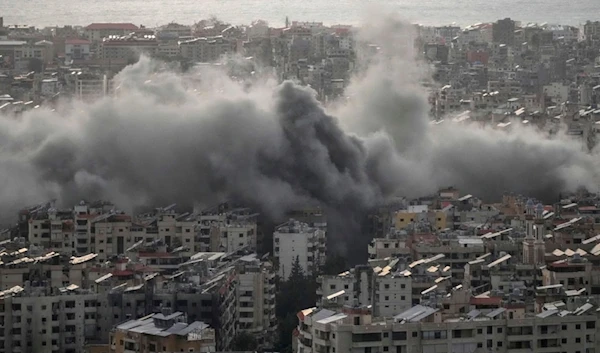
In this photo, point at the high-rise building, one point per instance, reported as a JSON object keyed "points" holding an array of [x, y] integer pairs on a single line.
{"points": [[296, 241]]}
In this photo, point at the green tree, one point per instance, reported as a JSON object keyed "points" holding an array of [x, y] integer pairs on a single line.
{"points": [[244, 342], [295, 294]]}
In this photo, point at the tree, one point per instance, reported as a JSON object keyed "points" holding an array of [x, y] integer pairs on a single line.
{"points": [[297, 273], [244, 342], [295, 294]]}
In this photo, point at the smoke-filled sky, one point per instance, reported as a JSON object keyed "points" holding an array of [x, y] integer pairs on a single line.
{"points": [[202, 138]]}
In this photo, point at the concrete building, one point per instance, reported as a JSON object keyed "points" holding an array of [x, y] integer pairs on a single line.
{"points": [[205, 50], [42, 321], [256, 300], [77, 49], [89, 86], [414, 215], [95, 32], [386, 291], [163, 332], [49, 87], [503, 31], [68, 305], [108, 232], [433, 330], [128, 47], [297, 241], [557, 92]]}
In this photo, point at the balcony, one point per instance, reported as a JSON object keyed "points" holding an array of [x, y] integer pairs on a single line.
{"points": [[320, 341]]}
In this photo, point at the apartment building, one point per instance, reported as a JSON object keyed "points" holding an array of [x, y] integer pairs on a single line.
{"points": [[38, 321], [163, 332], [256, 299], [433, 330], [297, 241], [108, 232], [77, 49], [128, 47], [90, 86], [385, 291], [206, 50], [230, 294], [97, 31], [458, 250], [393, 244], [420, 214]]}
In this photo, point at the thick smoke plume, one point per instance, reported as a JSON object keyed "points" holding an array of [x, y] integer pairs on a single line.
{"points": [[204, 138]]}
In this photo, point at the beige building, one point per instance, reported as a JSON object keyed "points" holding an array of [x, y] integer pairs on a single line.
{"points": [[206, 50], [98, 31], [127, 47], [86, 229], [162, 333]]}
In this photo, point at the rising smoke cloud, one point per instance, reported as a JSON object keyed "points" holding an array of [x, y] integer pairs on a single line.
{"points": [[203, 137]]}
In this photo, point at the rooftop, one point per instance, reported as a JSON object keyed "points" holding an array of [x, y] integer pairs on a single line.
{"points": [[148, 325], [118, 26]]}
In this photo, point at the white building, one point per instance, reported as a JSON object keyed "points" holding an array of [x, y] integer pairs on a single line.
{"points": [[296, 240]]}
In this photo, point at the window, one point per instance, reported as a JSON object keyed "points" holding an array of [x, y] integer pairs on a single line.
{"points": [[332, 286], [499, 330], [402, 286], [489, 329], [385, 349], [499, 344], [402, 297], [563, 341], [386, 286], [590, 324], [400, 336], [479, 331], [578, 327], [577, 340], [479, 345], [564, 327]]}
